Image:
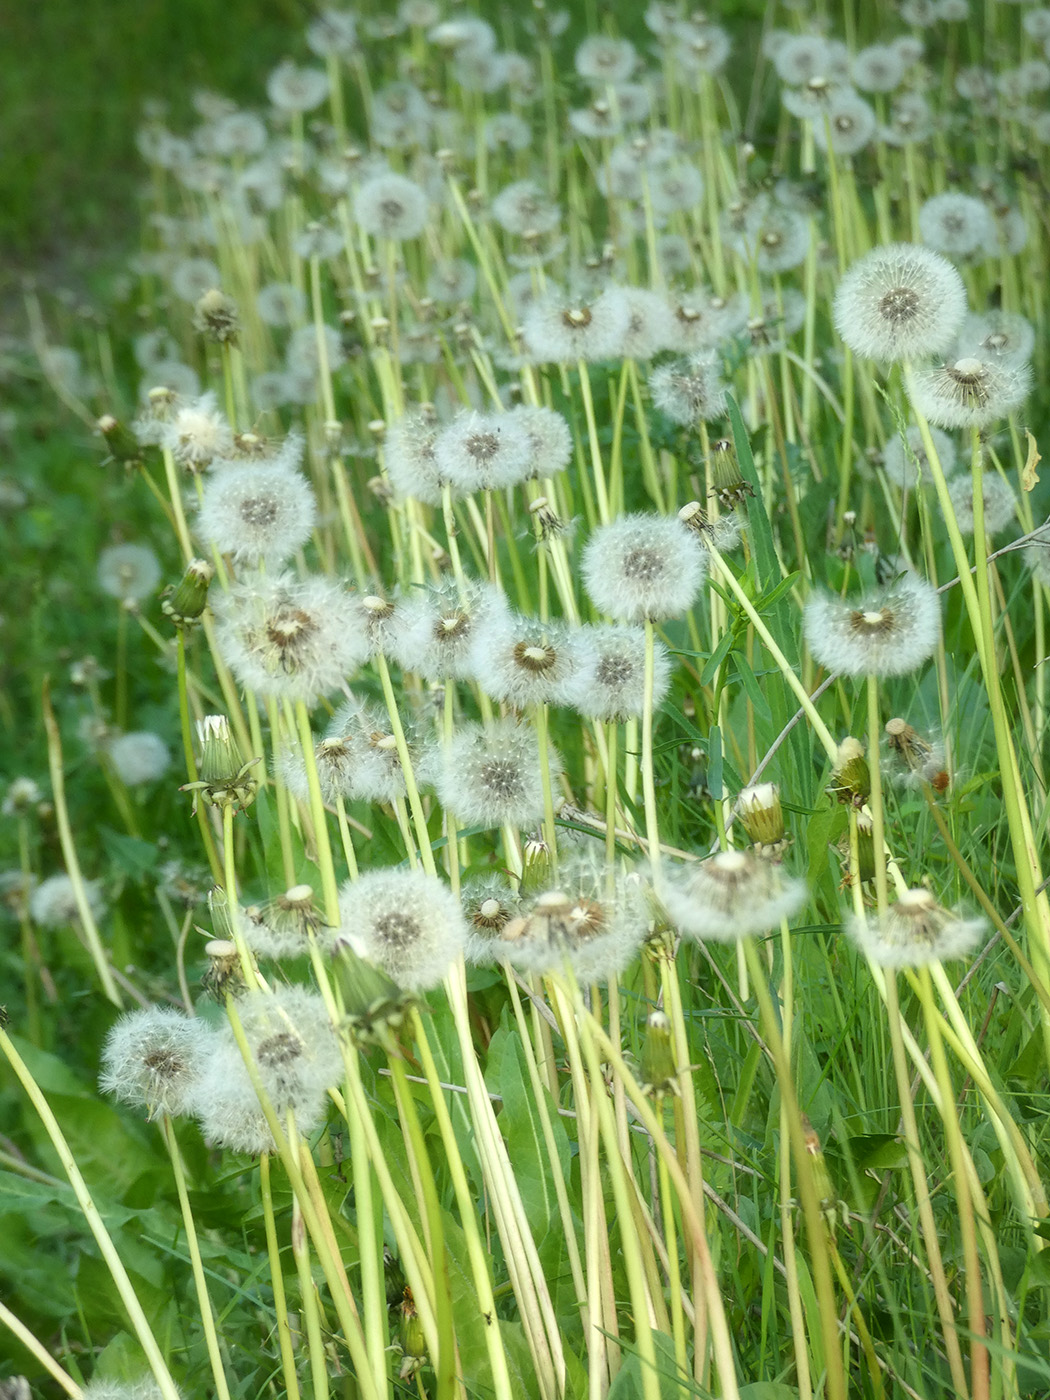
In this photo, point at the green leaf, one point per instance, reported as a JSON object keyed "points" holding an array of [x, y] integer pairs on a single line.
{"points": [[878, 1151]]}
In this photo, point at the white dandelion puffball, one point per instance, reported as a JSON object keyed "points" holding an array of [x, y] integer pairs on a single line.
{"points": [[888, 633], [899, 302], [643, 566]]}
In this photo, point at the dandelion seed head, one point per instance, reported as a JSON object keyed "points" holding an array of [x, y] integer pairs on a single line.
{"points": [[900, 301], [489, 774], [999, 502], [887, 633], [129, 572], [139, 757], [257, 513], [288, 637], [970, 392], [483, 451], [903, 465], [406, 922], [153, 1059], [956, 224], [914, 931], [643, 566], [391, 206], [730, 896]]}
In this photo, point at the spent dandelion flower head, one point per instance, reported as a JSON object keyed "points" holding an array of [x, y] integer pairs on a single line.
{"points": [[914, 758], [730, 895], [335, 760], [590, 918], [643, 566], [283, 927], [289, 637], [408, 923], [898, 302], [256, 512], [363, 731], [436, 639], [885, 633], [153, 1059], [609, 683], [143, 1388], [138, 757], [129, 572], [216, 317], [21, 796], [916, 930], [998, 501], [489, 775], [972, 392]]}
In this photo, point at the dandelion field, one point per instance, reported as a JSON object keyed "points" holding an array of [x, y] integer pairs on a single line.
{"points": [[524, 824]]}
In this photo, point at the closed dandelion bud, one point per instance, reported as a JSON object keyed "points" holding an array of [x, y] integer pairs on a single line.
{"points": [[915, 931], [153, 1059], [899, 302], [223, 778], [887, 633], [826, 1193], [865, 849], [727, 480], [659, 1071], [850, 776], [730, 896], [374, 1007], [215, 317], [761, 814], [410, 1338], [122, 443], [185, 603]]}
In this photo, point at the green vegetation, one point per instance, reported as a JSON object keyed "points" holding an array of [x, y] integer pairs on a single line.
{"points": [[524, 710]]}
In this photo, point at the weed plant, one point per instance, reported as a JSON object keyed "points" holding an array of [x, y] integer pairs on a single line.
{"points": [[533, 885]]}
